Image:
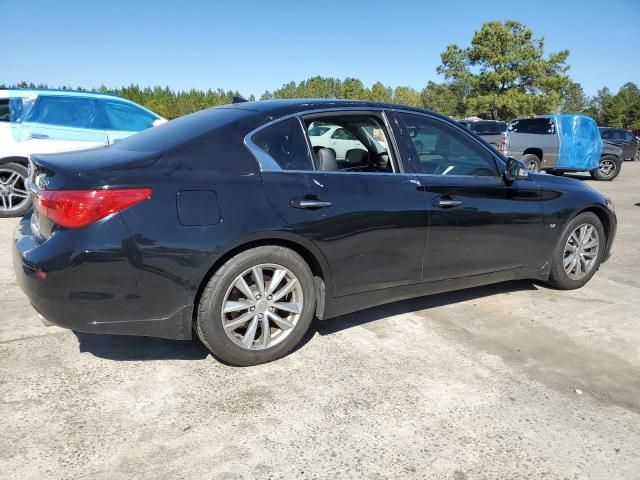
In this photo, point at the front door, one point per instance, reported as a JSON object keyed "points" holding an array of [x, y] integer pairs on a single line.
{"points": [[477, 223], [367, 218]]}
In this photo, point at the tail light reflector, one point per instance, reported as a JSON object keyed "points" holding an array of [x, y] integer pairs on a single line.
{"points": [[79, 208]]}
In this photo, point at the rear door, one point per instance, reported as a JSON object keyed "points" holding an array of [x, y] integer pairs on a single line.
{"points": [[61, 123], [367, 218], [477, 223]]}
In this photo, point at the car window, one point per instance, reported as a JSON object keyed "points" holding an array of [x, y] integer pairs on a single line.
{"points": [[317, 131], [5, 115], [125, 117], [606, 134], [359, 143], [535, 126], [445, 150], [618, 134], [629, 137], [77, 112], [285, 143]]}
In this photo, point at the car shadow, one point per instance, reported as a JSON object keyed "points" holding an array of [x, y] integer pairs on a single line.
{"points": [[133, 348]]}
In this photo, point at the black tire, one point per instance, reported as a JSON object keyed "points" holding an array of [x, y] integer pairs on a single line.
{"points": [[532, 162], [558, 173], [6, 170], [607, 174], [209, 326], [558, 277]]}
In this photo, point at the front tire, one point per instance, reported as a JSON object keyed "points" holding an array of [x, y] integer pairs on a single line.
{"points": [[608, 169], [14, 197], [579, 252], [257, 306]]}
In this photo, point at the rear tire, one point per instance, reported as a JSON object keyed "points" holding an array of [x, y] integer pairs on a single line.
{"points": [[564, 273], [14, 196], [608, 169], [235, 291], [532, 162]]}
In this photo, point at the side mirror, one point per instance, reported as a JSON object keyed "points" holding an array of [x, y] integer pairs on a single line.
{"points": [[516, 170]]}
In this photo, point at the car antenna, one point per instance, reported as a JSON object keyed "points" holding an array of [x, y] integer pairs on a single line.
{"points": [[238, 100]]}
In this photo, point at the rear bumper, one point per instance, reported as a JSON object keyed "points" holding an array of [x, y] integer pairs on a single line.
{"points": [[95, 291]]}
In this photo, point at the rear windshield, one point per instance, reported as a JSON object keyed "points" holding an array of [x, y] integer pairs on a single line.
{"points": [[181, 130], [536, 126]]}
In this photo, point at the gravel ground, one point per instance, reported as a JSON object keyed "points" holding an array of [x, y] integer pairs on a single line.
{"points": [[468, 385]]}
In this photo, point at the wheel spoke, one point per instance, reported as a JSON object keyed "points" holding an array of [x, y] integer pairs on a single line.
{"points": [[568, 259], [250, 334], [236, 306], [15, 179], [244, 288], [281, 322], [4, 201], [266, 331], [288, 307], [284, 290], [278, 275], [241, 320], [258, 277], [594, 242], [20, 193]]}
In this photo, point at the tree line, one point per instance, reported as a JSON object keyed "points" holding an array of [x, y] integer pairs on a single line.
{"points": [[503, 73]]}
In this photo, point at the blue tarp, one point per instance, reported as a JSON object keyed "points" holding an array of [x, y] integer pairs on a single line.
{"points": [[580, 143]]}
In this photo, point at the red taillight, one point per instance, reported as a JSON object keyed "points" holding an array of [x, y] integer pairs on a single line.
{"points": [[79, 208]]}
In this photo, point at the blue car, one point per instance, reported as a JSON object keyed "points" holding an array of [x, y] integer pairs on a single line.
{"points": [[54, 121]]}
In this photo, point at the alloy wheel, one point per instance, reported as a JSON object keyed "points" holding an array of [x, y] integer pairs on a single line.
{"points": [[13, 191], [262, 306], [607, 167], [581, 251], [532, 166]]}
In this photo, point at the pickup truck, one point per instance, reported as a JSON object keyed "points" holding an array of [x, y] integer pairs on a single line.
{"points": [[562, 143]]}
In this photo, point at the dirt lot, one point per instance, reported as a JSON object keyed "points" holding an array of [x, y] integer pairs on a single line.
{"points": [[468, 385]]}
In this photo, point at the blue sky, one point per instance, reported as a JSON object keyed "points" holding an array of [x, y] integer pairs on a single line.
{"points": [[254, 46]]}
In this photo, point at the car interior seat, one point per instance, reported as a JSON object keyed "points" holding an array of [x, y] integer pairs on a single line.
{"points": [[326, 160]]}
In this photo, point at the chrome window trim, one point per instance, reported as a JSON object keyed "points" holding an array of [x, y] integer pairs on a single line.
{"points": [[267, 164]]}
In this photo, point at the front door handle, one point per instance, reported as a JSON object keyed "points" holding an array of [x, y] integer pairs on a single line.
{"points": [[446, 202], [309, 204]]}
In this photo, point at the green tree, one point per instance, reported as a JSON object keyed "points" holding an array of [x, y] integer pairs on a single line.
{"points": [[503, 68], [441, 98], [407, 96], [380, 93], [573, 99]]}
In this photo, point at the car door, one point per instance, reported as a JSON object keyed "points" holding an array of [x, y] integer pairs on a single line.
{"points": [[477, 223], [60, 123], [124, 119], [629, 144], [369, 222]]}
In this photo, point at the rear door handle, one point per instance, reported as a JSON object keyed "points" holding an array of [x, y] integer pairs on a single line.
{"points": [[444, 202], [309, 204]]}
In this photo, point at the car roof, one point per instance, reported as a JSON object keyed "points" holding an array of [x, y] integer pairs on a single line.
{"points": [[63, 93], [278, 108]]}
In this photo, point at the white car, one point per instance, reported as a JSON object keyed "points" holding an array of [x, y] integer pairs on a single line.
{"points": [[52, 121], [340, 140]]}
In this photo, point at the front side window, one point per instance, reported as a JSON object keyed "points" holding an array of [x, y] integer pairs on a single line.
{"points": [[127, 118], [358, 143], [606, 134], [629, 137], [76, 112], [285, 143], [444, 150]]}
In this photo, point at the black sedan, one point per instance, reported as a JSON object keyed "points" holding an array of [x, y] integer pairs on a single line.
{"points": [[238, 223]]}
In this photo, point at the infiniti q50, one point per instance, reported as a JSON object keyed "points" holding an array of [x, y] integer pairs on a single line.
{"points": [[232, 223]]}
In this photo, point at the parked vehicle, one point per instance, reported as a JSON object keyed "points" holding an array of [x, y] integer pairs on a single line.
{"points": [[624, 139], [226, 221], [339, 139], [562, 143], [50, 121], [490, 130]]}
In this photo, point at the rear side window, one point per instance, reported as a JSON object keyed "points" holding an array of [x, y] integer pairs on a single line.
{"points": [[5, 116], [286, 144], [125, 117], [535, 126], [77, 112], [606, 134]]}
